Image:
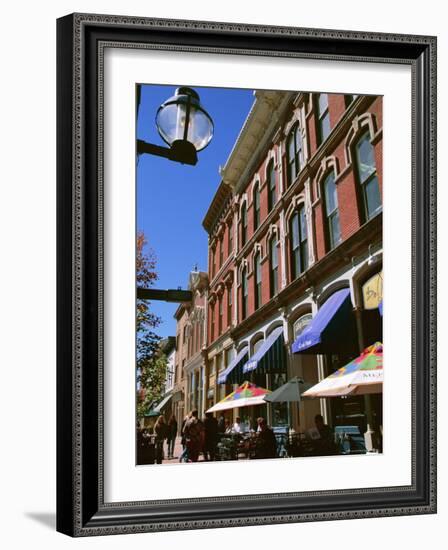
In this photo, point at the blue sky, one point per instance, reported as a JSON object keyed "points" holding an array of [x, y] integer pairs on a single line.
{"points": [[172, 198]]}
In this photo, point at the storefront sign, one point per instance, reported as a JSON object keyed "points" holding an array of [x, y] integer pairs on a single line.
{"points": [[372, 291]]}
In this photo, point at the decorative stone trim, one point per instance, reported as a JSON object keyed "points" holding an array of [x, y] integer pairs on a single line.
{"points": [[273, 230], [257, 183], [296, 202], [327, 165], [271, 156], [220, 289], [243, 264], [228, 281], [359, 125], [294, 120]]}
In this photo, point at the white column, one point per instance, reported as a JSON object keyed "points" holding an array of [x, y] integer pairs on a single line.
{"points": [[235, 297], [280, 168], [309, 223], [282, 239], [204, 397], [305, 145]]}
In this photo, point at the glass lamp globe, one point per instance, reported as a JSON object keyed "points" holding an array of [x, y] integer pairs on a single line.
{"points": [[181, 118]]}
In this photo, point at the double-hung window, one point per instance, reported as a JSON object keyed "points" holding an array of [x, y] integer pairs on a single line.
{"points": [[367, 177], [323, 117], [273, 271], [332, 211], [244, 293], [272, 191], [256, 205], [294, 153], [299, 242], [243, 225], [257, 274]]}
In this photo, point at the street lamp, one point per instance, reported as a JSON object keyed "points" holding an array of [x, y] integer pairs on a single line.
{"points": [[184, 125], [187, 128]]}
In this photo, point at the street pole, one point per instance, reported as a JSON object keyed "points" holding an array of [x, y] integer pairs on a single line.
{"points": [[369, 435], [177, 295]]}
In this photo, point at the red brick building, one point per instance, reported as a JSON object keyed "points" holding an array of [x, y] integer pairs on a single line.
{"points": [[296, 218], [189, 369]]}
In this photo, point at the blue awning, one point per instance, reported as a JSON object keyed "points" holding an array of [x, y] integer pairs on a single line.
{"points": [[235, 365], [332, 329], [271, 355]]}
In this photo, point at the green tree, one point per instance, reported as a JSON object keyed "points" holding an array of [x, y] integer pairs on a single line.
{"points": [[151, 364], [152, 379]]}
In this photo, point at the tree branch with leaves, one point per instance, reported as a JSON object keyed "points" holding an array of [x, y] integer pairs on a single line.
{"points": [[151, 364]]}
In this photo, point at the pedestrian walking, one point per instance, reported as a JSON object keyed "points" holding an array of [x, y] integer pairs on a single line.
{"points": [[210, 436], [266, 444], [161, 431], [172, 434], [183, 439], [194, 435]]}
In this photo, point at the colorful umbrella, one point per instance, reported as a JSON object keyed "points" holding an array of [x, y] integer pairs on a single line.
{"points": [[246, 395], [361, 376]]}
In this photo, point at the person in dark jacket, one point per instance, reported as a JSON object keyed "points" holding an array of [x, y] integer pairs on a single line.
{"points": [[184, 456], [172, 434], [266, 444], [161, 431], [211, 436], [194, 435], [221, 424]]}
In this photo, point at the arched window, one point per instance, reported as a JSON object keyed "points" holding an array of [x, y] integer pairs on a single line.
{"points": [[367, 177], [257, 280], [213, 260], [221, 252], [272, 191], [273, 265], [230, 238], [197, 335], [294, 153], [256, 202], [201, 331], [189, 341], [323, 117], [331, 211], [243, 224], [299, 242], [301, 324], [244, 293], [229, 354], [257, 344], [212, 322], [220, 316], [229, 305]]}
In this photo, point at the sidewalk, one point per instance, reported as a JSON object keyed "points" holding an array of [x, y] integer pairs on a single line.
{"points": [[177, 452]]}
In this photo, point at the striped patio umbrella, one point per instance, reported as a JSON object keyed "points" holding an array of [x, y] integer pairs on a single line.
{"points": [[246, 395], [361, 376]]}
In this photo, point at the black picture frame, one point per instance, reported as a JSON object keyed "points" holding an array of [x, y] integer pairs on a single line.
{"points": [[81, 510]]}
